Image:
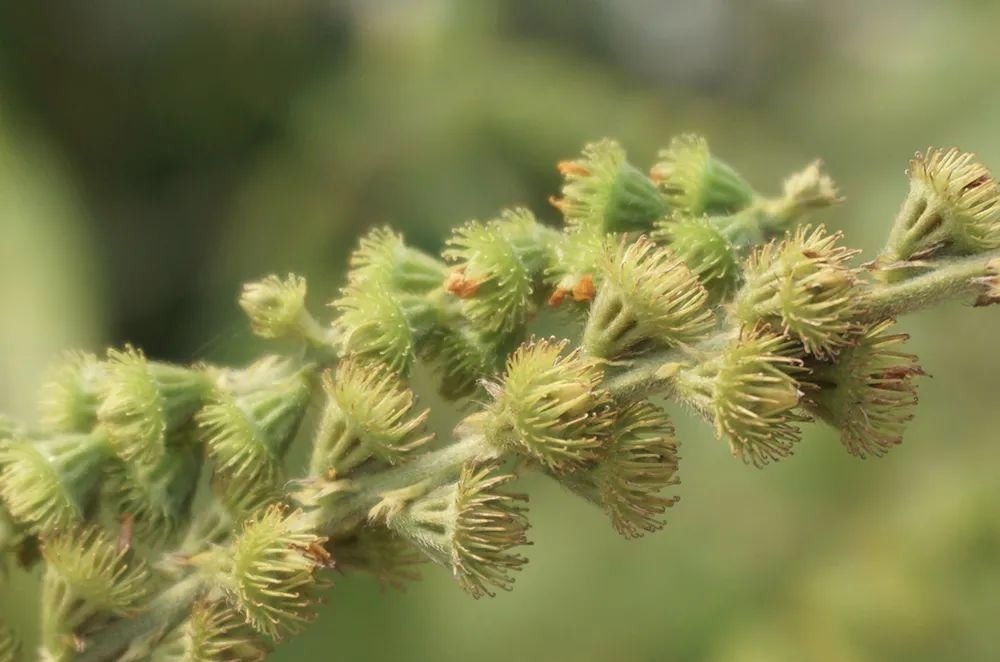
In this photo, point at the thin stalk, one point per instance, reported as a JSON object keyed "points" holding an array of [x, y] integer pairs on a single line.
{"points": [[167, 611], [954, 279]]}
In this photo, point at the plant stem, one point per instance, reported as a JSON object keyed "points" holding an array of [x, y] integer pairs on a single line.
{"points": [[432, 469], [953, 279], [165, 613]]}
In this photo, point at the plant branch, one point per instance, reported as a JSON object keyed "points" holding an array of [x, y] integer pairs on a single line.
{"points": [[953, 279]]}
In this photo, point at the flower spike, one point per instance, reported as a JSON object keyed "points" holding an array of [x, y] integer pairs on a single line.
{"points": [[213, 632], [382, 255]]}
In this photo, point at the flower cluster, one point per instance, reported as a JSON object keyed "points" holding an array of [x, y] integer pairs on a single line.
{"points": [[164, 501]]}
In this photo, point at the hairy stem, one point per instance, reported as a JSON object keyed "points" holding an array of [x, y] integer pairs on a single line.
{"points": [[166, 612], [954, 279]]}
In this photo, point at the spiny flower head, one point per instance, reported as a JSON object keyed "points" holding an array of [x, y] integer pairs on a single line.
{"points": [[808, 189], [270, 571], [70, 395], [603, 191], [378, 323], [276, 307], [803, 287], [696, 182], [499, 266], [647, 297], [549, 406], [250, 420], [869, 391], [213, 632], [751, 393], [382, 255], [953, 207], [706, 251], [472, 526], [143, 402], [157, 498], [86, 565], [639, 463], [53, 483], [370, 413]]}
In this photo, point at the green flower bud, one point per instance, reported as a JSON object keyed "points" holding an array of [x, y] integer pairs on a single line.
{"points": [[500, 265], [576, 269], [696, 182], [706, 251], [157, 497], [251, 418], [605, 192], [52, 483], [638, 464], [10, 647], [804, 191], [383, 325], [381, 553], [70, 396], [213, 632], [269, 572], [750, 392], [277, 308], [868, 392], [549, 406], [383, 256], [648, 298], [86, 575], [953, 208], [803, 287], [369, 414], [144, 402], [464, 356], [470, 526]]}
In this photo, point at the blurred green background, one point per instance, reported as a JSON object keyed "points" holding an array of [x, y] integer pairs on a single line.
{"points": [[155, 155]]}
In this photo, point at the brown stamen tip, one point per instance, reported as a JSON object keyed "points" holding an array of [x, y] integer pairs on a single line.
{"points": [[461, 286], [126, 533], [558, 203], [558, 295], [584, 289], [567, 168]]}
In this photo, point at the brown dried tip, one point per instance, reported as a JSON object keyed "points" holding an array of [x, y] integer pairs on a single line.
{"points": [[460, 286], [572, 168], [584, 289]]}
